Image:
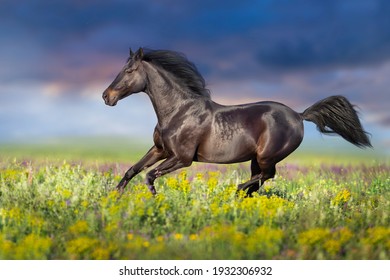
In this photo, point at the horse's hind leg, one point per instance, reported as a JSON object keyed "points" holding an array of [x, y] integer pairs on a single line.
{"points": [[267, 172], [253, 184], [260, 172]]}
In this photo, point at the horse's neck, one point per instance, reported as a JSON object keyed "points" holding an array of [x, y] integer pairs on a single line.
{"points": [[165, 93]]}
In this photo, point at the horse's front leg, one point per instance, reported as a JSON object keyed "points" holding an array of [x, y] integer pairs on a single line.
{"points": [[151, 157], [169, 165]]}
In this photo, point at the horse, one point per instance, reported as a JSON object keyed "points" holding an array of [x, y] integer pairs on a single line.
{"points": [[191, 127]]}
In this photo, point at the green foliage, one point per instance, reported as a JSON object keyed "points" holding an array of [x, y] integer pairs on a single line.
{"points": [[310, 211]]}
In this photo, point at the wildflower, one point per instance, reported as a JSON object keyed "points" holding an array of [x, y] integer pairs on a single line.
{"points": [[100, 254], [79, 227], [377, 235], [212, 182], [343, 235], [313, 236], [215, 208], [15, 214], [264, 241], [111, 227], [172, 182], [341, 197], [33, 247], [193, 237], [80, 247], [50, 203], [66, 194], [36, 223], [130, 236], [267, 188], [160, 238], [332, 246], [10, 175], [199, 176], [325, 239], [183, 175], [178, 236], [6, 248], [185, 186]]}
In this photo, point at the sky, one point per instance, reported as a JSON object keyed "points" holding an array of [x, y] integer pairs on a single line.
{"points": [[57, 57]]}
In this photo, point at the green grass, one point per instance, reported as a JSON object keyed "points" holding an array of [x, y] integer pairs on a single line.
{"points": [[101, 149], [318, 207]]}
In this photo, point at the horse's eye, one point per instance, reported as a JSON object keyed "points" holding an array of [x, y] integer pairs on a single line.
{"points": [[130, 70]]}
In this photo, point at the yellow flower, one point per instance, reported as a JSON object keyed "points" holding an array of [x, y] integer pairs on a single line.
{"points": [[377, 235], [160, 238], [172, 182], [313, 236], [183, 175], [50, 203], [212, 182], [100, 254], [199, 176], [10, 175], [185, 186], [33, 247], [343, 235], [267, 188], [84, 203], [178, 236], [193, 237], [324, 238], [6, 248], [130, 236], [332, 246], [66, 194], [111, 227], [15, 214], [79, 227], [264, 240], [81, 246], [341, 197]]}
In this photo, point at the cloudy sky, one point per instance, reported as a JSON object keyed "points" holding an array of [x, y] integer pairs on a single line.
{"points": [[57, 57]]}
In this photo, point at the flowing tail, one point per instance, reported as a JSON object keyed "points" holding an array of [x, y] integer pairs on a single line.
{"points": [[335, 115]]}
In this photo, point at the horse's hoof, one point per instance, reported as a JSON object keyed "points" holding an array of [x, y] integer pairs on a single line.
{"points": [[152, 190]]}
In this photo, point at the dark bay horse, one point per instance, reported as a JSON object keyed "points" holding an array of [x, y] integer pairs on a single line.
{"points": [[192, 127]]}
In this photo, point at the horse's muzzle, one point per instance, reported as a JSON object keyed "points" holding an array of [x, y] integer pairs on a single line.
{"points": [[109, 97]]}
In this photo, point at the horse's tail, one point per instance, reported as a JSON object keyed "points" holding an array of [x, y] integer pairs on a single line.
{"points": [[336, 115]]}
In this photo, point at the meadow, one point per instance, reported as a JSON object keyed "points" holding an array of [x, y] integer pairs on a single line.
{"points": [[62, 205]]}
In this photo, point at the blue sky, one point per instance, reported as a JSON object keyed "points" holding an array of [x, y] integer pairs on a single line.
{"points": [[57, 57]]}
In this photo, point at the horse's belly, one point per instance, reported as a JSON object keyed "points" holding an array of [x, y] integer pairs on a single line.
{"points": [[237, 148]]}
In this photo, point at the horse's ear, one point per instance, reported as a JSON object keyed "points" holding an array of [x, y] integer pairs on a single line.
{"points": [[140, 54], [131, 53]]}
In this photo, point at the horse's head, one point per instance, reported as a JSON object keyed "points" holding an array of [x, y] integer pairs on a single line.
{"points": [[131, 79]]}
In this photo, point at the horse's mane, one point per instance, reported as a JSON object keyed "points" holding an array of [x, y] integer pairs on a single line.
{"points": [[177, 64]]}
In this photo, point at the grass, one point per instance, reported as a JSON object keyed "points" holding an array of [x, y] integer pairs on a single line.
{"points": [[316, 208]]}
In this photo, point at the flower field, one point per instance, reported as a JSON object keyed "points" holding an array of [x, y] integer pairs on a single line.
{"points": [[309, 211]]}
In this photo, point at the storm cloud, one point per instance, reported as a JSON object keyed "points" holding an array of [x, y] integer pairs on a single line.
{"points": [[290, 51]]}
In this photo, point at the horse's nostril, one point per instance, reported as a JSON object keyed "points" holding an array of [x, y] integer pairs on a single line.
{"points": [[105, 96]]}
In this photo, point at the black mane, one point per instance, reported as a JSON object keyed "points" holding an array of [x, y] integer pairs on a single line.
{"points": [[178, 64]]}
